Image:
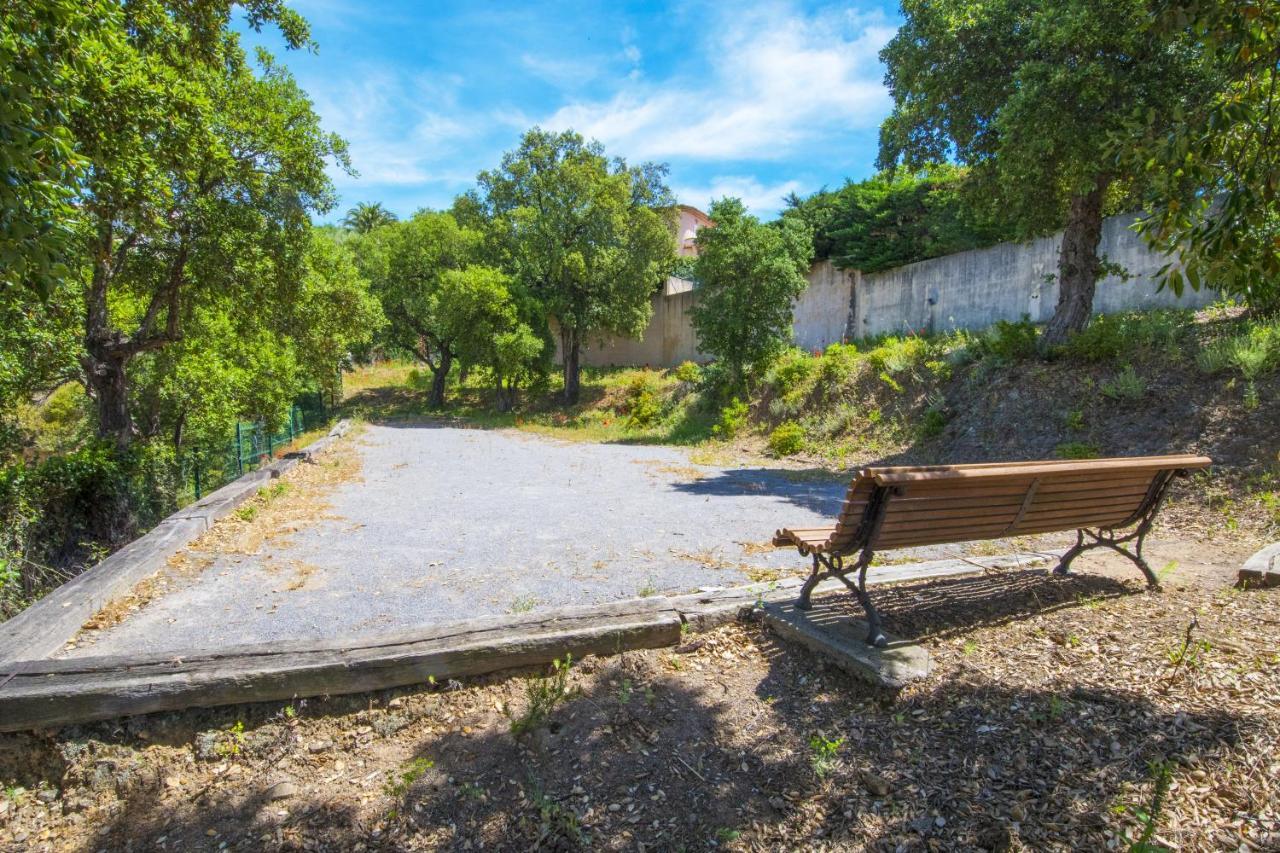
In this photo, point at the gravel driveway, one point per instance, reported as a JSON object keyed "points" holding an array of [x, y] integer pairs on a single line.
{"points": [[450, 523]]}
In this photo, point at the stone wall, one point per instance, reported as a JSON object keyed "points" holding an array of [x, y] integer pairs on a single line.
{"points": [[967, 290]]}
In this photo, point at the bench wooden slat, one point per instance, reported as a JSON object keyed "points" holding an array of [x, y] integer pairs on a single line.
{"points": [[939, 508], [1010, 488], [1083, 468], [1172, 459], [1001, 525]]}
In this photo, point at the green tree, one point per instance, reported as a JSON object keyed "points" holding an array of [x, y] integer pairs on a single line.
{"points": [[365, 217], [51, 54], [202, 173], [751, 275], [1214, 173], [895, 218], [333, 314], [591, 238], [478, 304], [407, 262], [1027, 94]]}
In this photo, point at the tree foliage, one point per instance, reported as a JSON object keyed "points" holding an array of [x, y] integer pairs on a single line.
{"points": [[590, 237], [56, 57], [156, 251], [896, 218], [751, 275], [406, 262], [1026, 94], [365, 217], [1213, 176]]}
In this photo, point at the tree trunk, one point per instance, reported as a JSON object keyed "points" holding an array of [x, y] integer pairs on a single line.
{"points": [[105, 371], [571, 351], [1078, 267], [505, 396], [440, 375]]}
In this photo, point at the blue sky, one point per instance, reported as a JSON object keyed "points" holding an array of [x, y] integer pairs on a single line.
{"points": [[748, 99]]}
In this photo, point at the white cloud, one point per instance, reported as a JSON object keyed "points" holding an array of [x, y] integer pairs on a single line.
{"points": [[402, 130], [761, 199], [778, 78]]}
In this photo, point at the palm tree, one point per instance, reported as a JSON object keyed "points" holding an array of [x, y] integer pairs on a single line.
{"points": [[365, 217]]}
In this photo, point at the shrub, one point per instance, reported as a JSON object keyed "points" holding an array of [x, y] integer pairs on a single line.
{"points": [[1006, 341], [899, 355], [932, 423], [688, 372], [793, 370], [1076, 450], [792, 379], [1109, 337], [641, 402], [838, 364], [1253, 352], [786, 439], [1125, 385], [733, 418]]}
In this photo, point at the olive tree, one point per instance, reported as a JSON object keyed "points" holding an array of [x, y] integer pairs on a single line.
{"points": [[588, 236]]}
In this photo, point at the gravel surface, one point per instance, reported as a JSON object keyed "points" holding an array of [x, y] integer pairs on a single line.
{"points": [[449, 523]]}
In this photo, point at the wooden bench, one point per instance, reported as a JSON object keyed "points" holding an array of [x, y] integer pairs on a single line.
{"points": [[1108, 502]]}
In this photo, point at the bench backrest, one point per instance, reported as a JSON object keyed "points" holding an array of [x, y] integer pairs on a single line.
{"points": [[900, 507]]}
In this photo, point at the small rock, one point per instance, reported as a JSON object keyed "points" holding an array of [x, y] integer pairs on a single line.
{"points": [[75, 804], [47, 795], [320, 746], [172, 782], [875, 783], [206, 745], [922, 824], [397, 702], [282, 791], [390, 724]]}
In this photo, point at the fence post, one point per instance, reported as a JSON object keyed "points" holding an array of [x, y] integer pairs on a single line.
{"points": [[239, 451], [198, 491], [271, 453]]}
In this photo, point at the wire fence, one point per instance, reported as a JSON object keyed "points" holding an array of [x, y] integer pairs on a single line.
{"points": [[252, 446]]}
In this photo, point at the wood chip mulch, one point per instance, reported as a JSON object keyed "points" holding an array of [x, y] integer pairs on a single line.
{"points": [[1056, 708]]}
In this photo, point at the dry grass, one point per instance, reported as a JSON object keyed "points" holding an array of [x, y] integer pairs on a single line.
{"points": [[280, 508]]}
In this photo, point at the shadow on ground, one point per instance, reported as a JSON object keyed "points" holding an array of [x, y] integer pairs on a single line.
{"points": [[694, 748]]}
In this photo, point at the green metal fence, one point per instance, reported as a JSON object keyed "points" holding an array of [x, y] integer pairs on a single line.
{"points": [[251, 447]]}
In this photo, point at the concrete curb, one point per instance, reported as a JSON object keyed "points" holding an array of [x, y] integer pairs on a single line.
{"points": [[842, 640], [45, 626], [1262, 569]]}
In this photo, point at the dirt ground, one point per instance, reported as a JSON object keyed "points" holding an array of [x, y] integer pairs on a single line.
{"points": [[1061, 714]]}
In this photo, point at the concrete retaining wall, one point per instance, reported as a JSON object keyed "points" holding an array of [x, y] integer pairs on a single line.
{"points": [[967, 290], [972, 290]]}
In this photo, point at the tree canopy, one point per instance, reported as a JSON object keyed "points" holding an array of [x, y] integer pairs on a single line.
{"points": [[1213, 176], [1026, 95], [588, 236], [896, 218], [365, 217]]}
